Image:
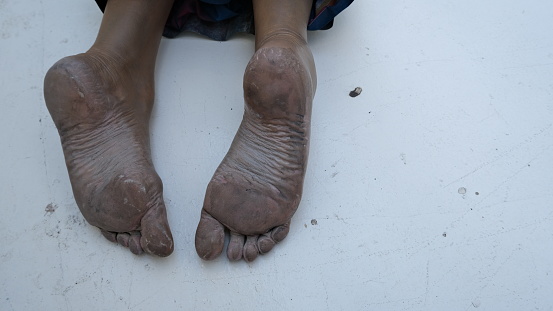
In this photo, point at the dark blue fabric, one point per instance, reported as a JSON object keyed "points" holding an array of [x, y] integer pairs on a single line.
{"points": [[325, 18], [220, 19]]}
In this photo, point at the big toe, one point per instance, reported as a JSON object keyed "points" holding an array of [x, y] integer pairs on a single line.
{"points": [[210, 237], [156, 236]]}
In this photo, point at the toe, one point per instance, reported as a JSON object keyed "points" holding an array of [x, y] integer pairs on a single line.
{"points": [[235, 246], [265, 243], [111, 236], [156, 235], [250, 249], [210, 237], [279, 233], [134, 243], [123, 239]]}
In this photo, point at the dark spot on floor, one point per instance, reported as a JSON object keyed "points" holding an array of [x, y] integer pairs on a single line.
{"points": [[444, 234], [73, 220], [314, 222], [50, 208]]}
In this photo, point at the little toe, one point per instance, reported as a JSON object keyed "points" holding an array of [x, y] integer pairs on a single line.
{"points": [[250, 249], [210, 237], [156, 236], [123, 239], [134, 243], [235, 246], [265, 243], [111, 236], [279, 233]]}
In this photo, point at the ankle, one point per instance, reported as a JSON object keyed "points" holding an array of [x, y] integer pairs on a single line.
{"points": [[120, 70], [135, 63], [282, 37]]}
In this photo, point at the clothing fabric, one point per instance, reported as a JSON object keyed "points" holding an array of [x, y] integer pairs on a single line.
{"points": [[220, 19]]}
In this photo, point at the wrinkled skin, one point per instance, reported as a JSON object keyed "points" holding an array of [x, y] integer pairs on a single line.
{"points": [[101, 101], [257, 188], [103, 127]]}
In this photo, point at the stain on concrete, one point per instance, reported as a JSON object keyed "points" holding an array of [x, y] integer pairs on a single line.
{"points": [[50, 208]]}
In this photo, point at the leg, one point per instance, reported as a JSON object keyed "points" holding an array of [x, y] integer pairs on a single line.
{"points": [[257, 188], [101, 102]]}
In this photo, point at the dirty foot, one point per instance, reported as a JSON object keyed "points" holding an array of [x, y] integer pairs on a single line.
{"points": [[256, 189], [101, 108]]}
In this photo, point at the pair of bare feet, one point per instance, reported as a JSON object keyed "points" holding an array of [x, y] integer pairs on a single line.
{"points": [[101, 107]]}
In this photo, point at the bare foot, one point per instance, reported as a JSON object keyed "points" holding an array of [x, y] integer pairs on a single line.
{"points": [[258, 186], [101, 107]]}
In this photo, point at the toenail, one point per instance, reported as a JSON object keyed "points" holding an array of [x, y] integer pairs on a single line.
{"points": [[123, 239], [265, 244], [234, 254], [250, 255], [112, 237]]}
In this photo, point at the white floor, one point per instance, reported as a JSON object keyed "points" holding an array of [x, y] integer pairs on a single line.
{"points": [[432, 190]]}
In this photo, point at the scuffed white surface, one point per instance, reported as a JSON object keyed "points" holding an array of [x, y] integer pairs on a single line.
{"points": [[455, 94]]}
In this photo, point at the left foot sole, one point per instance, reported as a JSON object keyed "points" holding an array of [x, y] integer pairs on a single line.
{"points": [[101, 112], [257, 188]]}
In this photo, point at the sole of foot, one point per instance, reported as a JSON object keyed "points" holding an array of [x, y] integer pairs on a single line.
{"points": [[101, 109], [257, 188]]}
